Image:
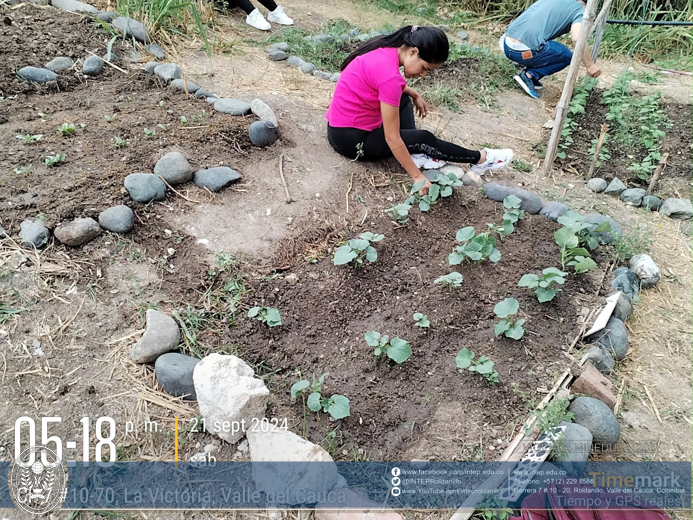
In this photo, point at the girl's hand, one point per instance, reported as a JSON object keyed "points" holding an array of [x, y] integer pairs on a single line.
{"points": [[423, 191], [421, 105]]}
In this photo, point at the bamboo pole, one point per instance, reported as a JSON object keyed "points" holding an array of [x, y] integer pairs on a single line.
{"points": [[600, 142], [657, 173], [600, 24]]}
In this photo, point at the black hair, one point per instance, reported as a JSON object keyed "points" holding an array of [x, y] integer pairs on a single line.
{"points": [[432, 44]]}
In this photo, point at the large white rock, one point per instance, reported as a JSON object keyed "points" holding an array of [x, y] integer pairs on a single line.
{"points": [[645, 269], [228, 395], [313, 471]]}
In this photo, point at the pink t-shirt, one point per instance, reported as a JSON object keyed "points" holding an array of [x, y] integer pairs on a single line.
{"points": [[369, 79]]}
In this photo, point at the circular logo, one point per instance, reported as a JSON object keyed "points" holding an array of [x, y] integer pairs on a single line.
{"points": [[395, 472], [37, 480]]}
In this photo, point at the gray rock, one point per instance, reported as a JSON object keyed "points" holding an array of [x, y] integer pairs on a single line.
{"points": [[93, 66], [574, 448], [295, 61], [34, 233], [212, 99], [74, 6], [614, 338], [202, 93], [344, 38], [145, 187], [615, 187], [234, 107], [554, 210], [156, 51], [150, 66], [37, 74], [597, 418], [180, 84], [633, 196], [624, 280], [320, 39], [59, 63], [174, 373], [117, 219], [531, 203], [597, 185], [462, 35], [216, 178], [281, 46], [161, 335], [277, 55], [355, 31], [495, 191], [607, 236], [646, 270], [40, 2], [322, 74], [107, 16], [3, 233], [651, 201], [174, 168], [168, 71], [127, 25], [112, 57], [601, 359], [78, 232], [335, 77], [306, 68], [624, 308], [263, 133], [263, 111], [674, 208]]}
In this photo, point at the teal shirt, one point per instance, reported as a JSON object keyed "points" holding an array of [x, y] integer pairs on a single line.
{"points": [[545, 20]]}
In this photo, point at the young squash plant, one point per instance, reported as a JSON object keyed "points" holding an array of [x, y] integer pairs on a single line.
{"points": [[441, 187], [507, 326], [571, 253], [267, 315], [511, 214], [451, 280], [336, 405], [474, 247], [483, 365], [545, 285], [397, 349], [399, 213], [356, 250], [421, 320], [586, 236]]}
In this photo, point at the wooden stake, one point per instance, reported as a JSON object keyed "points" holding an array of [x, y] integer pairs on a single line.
{"points": [[281, 173], [656, 411], [600, 24], [602, 136], [657, 173]]}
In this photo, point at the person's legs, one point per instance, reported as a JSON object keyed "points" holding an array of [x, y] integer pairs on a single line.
{"points": [[406, 113], [552, 57], [269, 4], [243, 4]]}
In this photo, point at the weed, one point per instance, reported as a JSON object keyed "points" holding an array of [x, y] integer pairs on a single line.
{"points": [[22, 170], [490, 508], [149, 133], [604, 153], [397, 349], [267, 315], [550, 416], [421, 320], [68, 129], [623, 247], [110, 119], [52, 160], [6, 312], [545, 285], [648, 77], [119, 142], [450, 280], [336, 405], [30, 139], [483, 365], [356, 250], [443, 96], [474, 247], [522, 166], [399, 213], [507, 326]]}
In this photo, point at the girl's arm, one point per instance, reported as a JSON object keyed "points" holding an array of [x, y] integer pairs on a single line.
{"points": [[418, 100], [399, 150]]}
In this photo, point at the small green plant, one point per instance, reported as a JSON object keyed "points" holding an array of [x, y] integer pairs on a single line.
{"points": [[586, 235], [576, 110], [161, 103], [441, 187], [450, 280], [68, 129], [183, 120], [490, 508], [513, 212], [551, 415], [267, 315], [571, 253], [507, 326], [118, 142], [22, 170], [52, 160], [545, 285], [522, 166], [421, 320], [30, 139], [397, 349], [483, 365], [623, 247], [356, 250], [163, 126], [109, 118], [474, 247], [399, 213], [337, 405], [43, 116], [149, 133], [604, 153]]}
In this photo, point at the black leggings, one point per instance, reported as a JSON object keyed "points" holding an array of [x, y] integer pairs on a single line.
{"points": [[371, 145], [248, 7]]}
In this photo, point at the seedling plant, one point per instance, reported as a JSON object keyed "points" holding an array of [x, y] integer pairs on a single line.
{"points": [[511, 214], [507, 326], [52, 160], [118, 142], [576, 110], [482, 365], [399, 213], [421, 320], [68, 129], [267, 315], [451, 280], [397, 349], [545, 285], [149, 133], [30, 139], [356, 250], [474, 247], [586, 236], [336, 405], [441, 187]]}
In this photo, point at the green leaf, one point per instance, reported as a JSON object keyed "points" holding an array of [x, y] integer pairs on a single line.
{"points": [[339, 407], [371, 254], [554, 270], [377, 351], [383, 340], [446, 191], [424, 205], [528, 280], [299, 387], [358, 243], [417, 186], [464, 234], [343, 255], [418, 316], [313, 402], [585, 265], [516, 331], [495, 255], [474, 255], [565, 237], [512, 202], [254, 312], [507, 307], [434, 191], [455, 258], [604, 227], [372, 338], [501, 327], [399, 351], [273, 319], [570, 219], [464, 358], [373, 237], [545, 294], [484, 365]]}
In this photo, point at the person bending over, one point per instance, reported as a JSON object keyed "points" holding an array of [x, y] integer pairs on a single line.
{"points": [[371, 115], [528, 41], [254, 17]]}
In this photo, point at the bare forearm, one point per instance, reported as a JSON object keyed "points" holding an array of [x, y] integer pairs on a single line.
{"points": [[399, 150]]}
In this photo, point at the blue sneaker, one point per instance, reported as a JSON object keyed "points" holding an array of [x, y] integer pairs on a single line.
{"points": [[538, 85], [526, 84]]}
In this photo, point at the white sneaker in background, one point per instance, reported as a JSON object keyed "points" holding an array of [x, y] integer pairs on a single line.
{"points": [[495, 159], [255, 19], [279, 16], [423, 161]]}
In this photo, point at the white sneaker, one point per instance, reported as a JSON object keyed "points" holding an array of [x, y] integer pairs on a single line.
{"points": [[423, 161], [255, 19], [495, 160], [279, 16]]}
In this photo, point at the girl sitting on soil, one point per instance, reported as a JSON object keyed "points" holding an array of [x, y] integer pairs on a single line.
{"points": [[371, 115]]}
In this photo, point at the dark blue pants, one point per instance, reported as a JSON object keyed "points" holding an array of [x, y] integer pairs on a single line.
{"points": [[551, 58]]}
